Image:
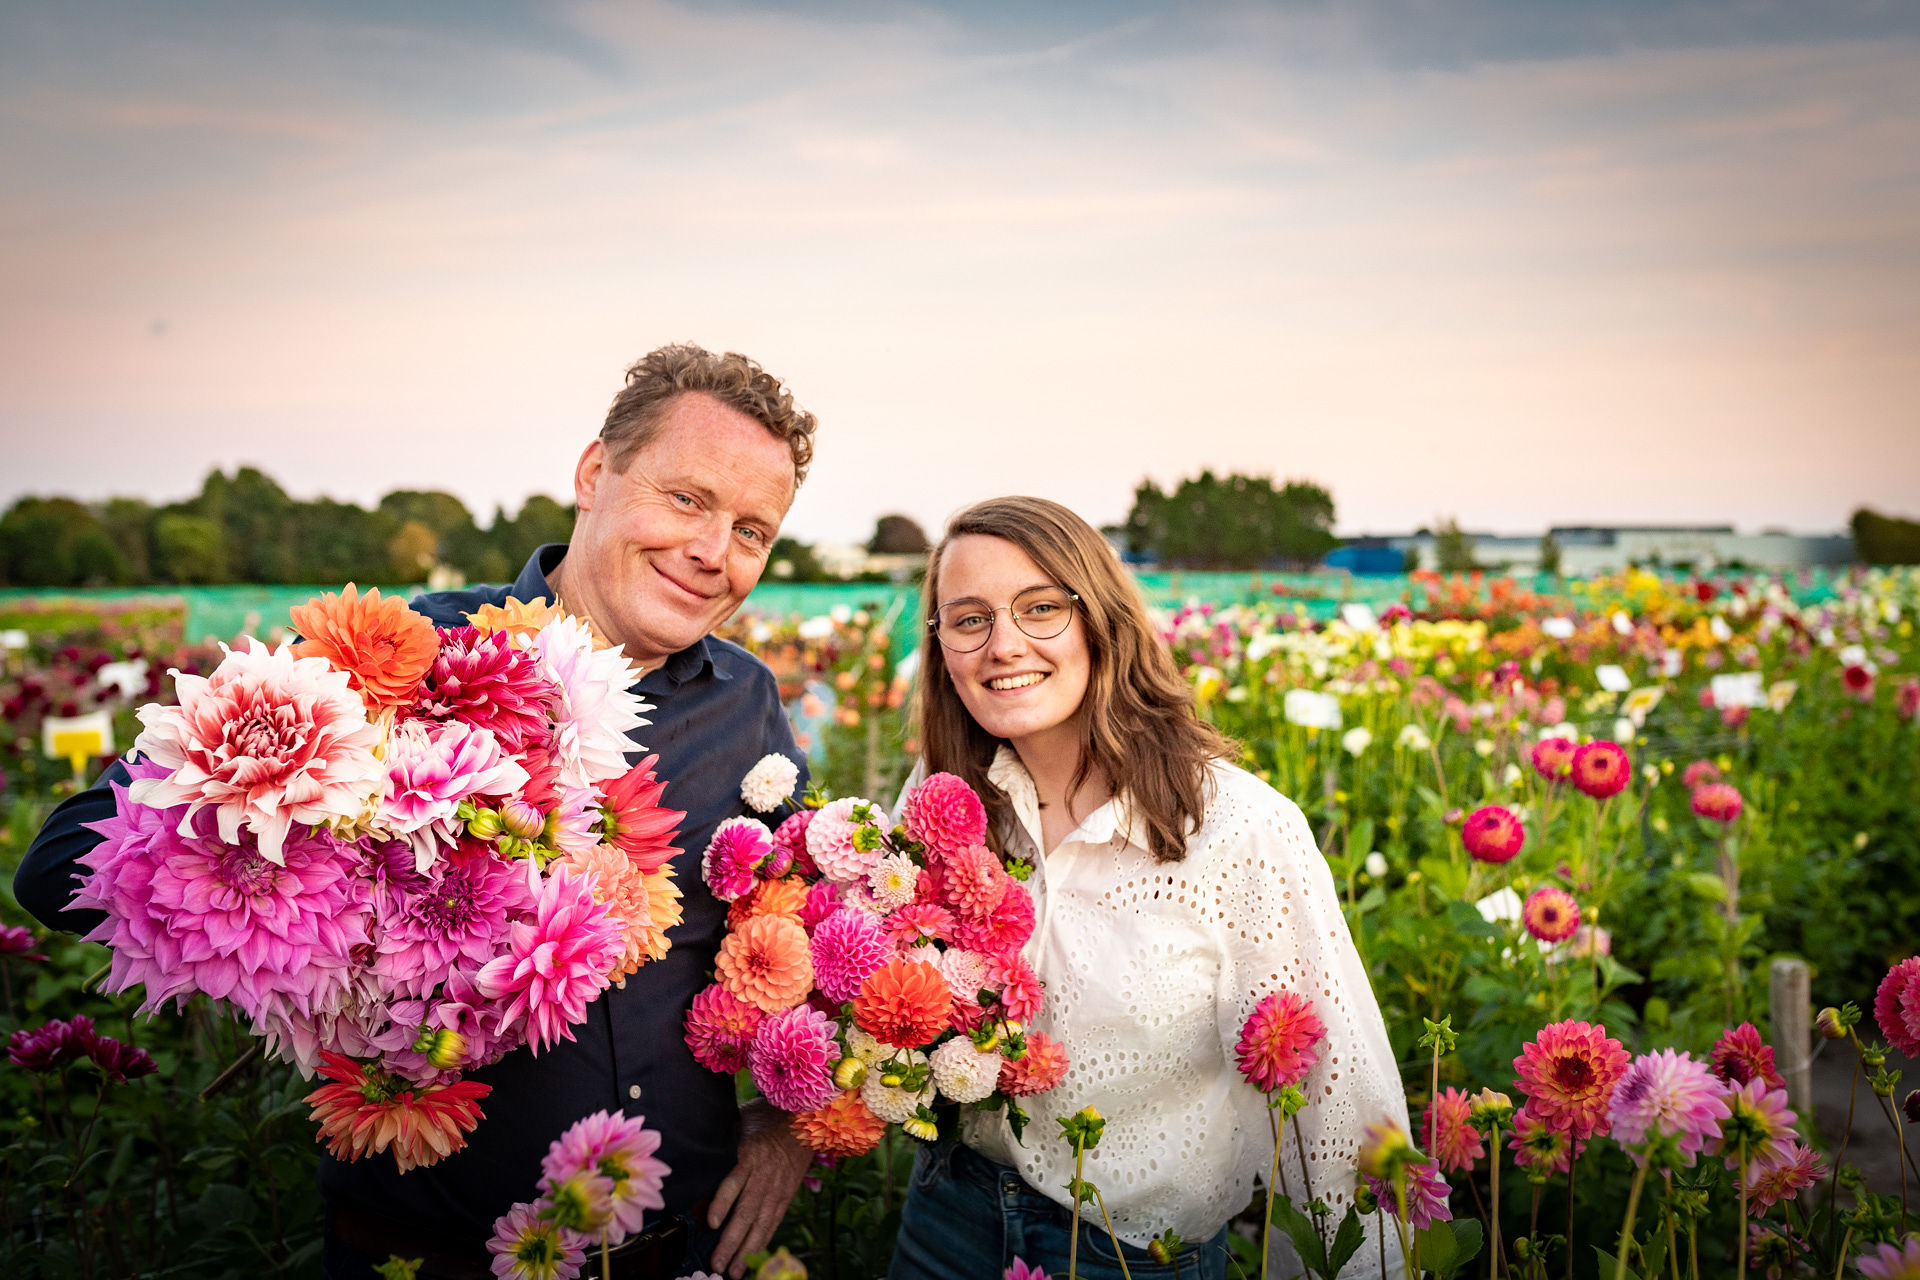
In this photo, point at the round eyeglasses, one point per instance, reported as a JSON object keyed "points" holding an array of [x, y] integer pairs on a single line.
{"points": [[1041, 613]]}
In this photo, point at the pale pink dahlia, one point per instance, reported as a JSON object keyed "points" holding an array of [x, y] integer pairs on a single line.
{"points": [[1670, 1093], [972, 881], [485, 681], [526, 1246], [833, 841], [616, 1147], [848, 946], [1893, 1261], [1427, 1195], [1758, 1127], [792, 1059], [1783, 1173], [920, 922], [1896, 1006], [595, 709], [966, 973], [1003, 931], [190, 912], [267, 741], [432, 765], [1740, 1055], [944, 814], [739, 847], [893, 881], [1020, 988], [558, 962], [720, 1027], [1568, 1073], [1451, 1136], [1280, 1041], [458, 917]]}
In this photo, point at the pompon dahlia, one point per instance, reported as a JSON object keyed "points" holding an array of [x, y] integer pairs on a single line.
{"points": [[792, 1059], [1042, 1067], [920, 922], [1553, 758], [383, 647], [1568, 1073], [557, 963], [1783, 1174], [1551, 914], [633, 820], [770, 783], [893, 881], [1492, 833], [823, 899], [616, 1147], [1279, 1042], [904, 1003], [1021, 990], [1601, 769], [787, 897], [621, 888], [189, 913], [766, 962], [738, 848], [843, 1128], [847, 948], [1536, 1142], [486, 682], [1896, 1006], [833, 841], [455, 918], [1666, 1093], [1758, 1127], [944, 814], [267, 741], [963, 1073], [431, 767], [595, 708], [526, 1246], [1454, 1141], [1740, 1055], [363, 1111], [1004, 930], [1427, 1195], [720, 1027], [972, 881], [791, 835], [965, 972], [1717, 801]]}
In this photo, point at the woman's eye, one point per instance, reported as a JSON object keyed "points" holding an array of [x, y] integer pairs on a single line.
{"points": [[1044, 608]]}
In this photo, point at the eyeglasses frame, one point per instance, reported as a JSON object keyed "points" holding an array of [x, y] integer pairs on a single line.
{"points": [[993, 613]]}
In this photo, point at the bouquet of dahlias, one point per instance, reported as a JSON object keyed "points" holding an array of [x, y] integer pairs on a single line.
{"points": [[869, 972], [398, 852]]}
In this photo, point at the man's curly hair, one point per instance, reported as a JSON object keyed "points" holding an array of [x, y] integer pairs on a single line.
{"points": [[661, 376]]}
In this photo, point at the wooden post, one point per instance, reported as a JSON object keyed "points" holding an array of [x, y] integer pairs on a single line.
{"points": [[1792, 1003]]}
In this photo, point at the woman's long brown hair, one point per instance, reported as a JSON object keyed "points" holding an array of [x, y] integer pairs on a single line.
{"points": [[1138, 728]]}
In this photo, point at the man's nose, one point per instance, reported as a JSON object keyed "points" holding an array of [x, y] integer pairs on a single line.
{"points": [[708, 546]]}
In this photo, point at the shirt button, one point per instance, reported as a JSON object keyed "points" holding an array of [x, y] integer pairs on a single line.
{"points": [[619, 984], [633, 1091]]}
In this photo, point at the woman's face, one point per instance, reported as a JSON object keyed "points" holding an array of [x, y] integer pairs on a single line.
{"points": [[1025, 690]]}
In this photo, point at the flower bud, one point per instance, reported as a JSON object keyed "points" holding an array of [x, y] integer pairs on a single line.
{"points": [[850, 1073], [522, 820], [925, 1130], [1827, 1023], [1163, 1247], [1489, 1106], [485, 825], [442, 1046]]}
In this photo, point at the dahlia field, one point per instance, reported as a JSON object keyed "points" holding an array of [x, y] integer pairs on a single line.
{"points": [[1572, 830]]}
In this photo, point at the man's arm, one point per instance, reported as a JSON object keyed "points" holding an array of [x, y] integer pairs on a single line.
{"points": [[48, 876]]}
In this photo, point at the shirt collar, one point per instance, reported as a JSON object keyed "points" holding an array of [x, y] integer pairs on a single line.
{"points": [[1114, 818], [531, 585]]}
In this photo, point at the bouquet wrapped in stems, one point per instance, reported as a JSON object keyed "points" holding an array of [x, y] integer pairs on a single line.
{"points": [[870, 971], [398, 853]]}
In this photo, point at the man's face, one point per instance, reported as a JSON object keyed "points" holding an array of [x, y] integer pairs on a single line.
{"points": [[665, 551]]}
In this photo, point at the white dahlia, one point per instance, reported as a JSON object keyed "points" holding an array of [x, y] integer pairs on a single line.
{"points": [[962, 1073]]}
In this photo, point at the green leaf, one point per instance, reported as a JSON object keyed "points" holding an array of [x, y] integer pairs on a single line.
{"points": [[1346, 1242], [1360, 842], [1468, 922], [1467, 1238], [1707, 885], [1016, 1120], [1435, 1250], [1371, 900], [1299, 1228], [1609, 1266]]}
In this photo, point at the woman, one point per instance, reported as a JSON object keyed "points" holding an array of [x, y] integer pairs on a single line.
{"points": [[1172, 891]]}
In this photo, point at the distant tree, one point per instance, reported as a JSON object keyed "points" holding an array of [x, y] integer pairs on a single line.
{"points": [[1550, 555], [343, 542], [1147, 520], [793, 561], [541, 520], [898, 535], [1879, 539], [458, 541], [129, 522], [57, 542], [190, 549], [1232, 522], [411, 552], [1452, 549]]}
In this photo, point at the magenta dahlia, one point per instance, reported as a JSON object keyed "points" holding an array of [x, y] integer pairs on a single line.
{"points": [[1896, 1006], [1718, 801], [619, 1148], [792, 1059], [740, 846], [1553, 757], [847, 947], [791, 835], [1021, 990], [458, 918], [1740, 1055], [1601, 769], [1004, 930], [720, 1027], [485, 681], [944, 814], [1493, 833], [559, 960], [1427, 1195], [1455, 1143]]}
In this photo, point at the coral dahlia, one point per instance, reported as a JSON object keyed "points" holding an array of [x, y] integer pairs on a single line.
{"points": [[1601, 769], [843, 1128], [624, 890], [363, 1111], [1041, 1068], [1454, 1141], [1568, 1073], [1004, 930], [383, 647], [1551, 914], [766, 962], [1553, 757], [972, 881], [1021, 990], [1279, 1042], [1493, 833], [1699, 774], [904, 1003], [633, 820]]}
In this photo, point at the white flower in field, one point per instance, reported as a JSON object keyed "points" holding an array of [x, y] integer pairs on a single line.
{"points": [[1512, 776], [1376, 864], [816, 628], [1718, 626], [769, 783], [1854, 655], [1414, 738], [1558, 628], [1483, 748], [1356, 740], [1623, 730], [1622, 624], [1651, 772], [1311, 709], [1780, 693], [1672, 662], [1612, 678], [1561, 730], [1738, 689]]}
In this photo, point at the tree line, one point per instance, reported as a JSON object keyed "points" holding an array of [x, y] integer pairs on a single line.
{"points": [[1232, 522]]}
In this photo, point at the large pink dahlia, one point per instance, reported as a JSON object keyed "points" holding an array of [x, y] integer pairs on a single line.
{"points": [[559, 961], [1568, 1073], [1670, 1093], [267, 741], [972, 881], [1004, 930], [944, 814], [486, 682], [455, 918], [1896, 1006], [616, 1147], [848, 946], [792, 1059], [188, 912], [720, 1028]]}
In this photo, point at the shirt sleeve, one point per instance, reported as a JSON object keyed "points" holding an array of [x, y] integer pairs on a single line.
{"points": [[48, 875], [1288, 933]]}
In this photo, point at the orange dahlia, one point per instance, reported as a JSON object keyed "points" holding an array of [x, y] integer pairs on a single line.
{"points": [[520, 619], [904, 1003], [365, 1111], [663, 895], [844, 1127], [782, 897], [385, 648], [767, 963], [1037, 1071]]}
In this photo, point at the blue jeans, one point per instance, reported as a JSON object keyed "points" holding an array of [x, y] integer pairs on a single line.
{"points": [[968, 1218]]}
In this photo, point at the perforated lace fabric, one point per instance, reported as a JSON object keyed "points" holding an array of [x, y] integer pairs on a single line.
{"points": [[1150, 970]]}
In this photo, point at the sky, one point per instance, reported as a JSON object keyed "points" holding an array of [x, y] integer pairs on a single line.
{"points": [[1509, 262]]}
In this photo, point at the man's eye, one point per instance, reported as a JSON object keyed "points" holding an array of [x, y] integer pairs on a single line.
{"points": [[684, 499], [751, 535]]}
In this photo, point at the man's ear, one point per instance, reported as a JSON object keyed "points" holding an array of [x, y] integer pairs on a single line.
{"points": [[588, 474]]}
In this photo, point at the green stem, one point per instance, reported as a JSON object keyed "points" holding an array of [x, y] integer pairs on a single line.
{"points": [[1273, 1174], [1573, 1160], [1073, 1245], [1107, 1218], [1740, 1244], [1493, 1218], [1626, 1229], [1833, 1177], [1400, 1219]]}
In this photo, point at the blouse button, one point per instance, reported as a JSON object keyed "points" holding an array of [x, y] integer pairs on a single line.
{"points": [[633, 1091]]}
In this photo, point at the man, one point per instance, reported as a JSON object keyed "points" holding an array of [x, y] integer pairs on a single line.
{"points": [[679, 500]]}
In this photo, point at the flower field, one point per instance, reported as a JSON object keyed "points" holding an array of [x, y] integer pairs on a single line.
{"points": [[1571, 830]]}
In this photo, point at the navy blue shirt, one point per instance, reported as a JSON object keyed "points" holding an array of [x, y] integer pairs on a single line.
{"points": [[716, 711]]}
